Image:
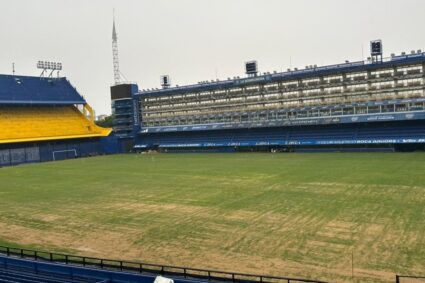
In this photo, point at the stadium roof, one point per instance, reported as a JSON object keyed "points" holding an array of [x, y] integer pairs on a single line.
{"points": [[37, 90]]}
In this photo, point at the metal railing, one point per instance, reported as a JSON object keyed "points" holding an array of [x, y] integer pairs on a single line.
{"points": [[147, 268], [409, 279]]}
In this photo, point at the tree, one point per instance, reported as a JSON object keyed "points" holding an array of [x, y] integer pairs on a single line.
{"points": [[106, 123]]}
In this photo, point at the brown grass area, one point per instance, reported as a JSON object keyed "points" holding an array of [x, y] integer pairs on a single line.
{"points": [[264, 236], [117, 245]]}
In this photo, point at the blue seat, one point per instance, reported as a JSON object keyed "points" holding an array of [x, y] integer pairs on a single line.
{"points": [[314, 134]]}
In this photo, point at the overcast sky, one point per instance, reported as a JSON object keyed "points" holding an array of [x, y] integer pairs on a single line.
{"points": [[194, 40]]}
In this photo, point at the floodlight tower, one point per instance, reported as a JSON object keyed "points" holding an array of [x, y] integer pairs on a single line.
{"points": [[48, 66], [376, 50], [117, 76], [251, 68]]}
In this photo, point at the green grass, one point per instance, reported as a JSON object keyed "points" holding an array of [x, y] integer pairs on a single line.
{"points": [[282, 214]]}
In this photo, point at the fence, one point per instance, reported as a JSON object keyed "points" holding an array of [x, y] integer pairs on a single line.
{"points": [[19, 155], [147, 268], [409, 279]]}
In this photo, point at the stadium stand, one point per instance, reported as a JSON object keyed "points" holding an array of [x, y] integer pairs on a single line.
{"points": [[19, 265], [35, 123], [366, 105], [44, 119], [24, 276]]}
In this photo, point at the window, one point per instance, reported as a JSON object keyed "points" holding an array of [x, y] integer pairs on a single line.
{"points": [[382, 85], [337, 89], [272, 86], [271, 96], [410, 82], [311, 91], [414, 69], [290, 84], [382, 73], [311, 81], [356, 76], [333, 79]]}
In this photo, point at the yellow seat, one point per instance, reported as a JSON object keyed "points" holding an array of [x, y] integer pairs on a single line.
{"points": [[38, 123]]}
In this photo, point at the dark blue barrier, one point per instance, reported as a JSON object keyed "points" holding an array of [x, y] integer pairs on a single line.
{"points": [[71, 272], [92, 265], [19, 153], [111, 145]]}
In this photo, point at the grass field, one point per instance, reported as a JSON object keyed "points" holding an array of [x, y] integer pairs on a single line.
{"points": [[282, 214]]}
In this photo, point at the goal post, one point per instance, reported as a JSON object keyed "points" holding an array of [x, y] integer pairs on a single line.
{"points": [[64, 151]]}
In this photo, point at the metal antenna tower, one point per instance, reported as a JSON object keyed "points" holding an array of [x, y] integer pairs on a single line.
{"points": [[117, 76]]}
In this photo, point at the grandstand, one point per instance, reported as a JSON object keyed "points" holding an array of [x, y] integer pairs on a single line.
{"points": [[30, 266], [377, 104], [45, 118]]}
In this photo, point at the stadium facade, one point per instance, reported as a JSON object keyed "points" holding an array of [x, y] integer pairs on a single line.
{"points": [[45, 119], [377, 104]]}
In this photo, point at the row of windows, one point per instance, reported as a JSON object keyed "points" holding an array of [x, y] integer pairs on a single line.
{"points": [[289, 104], [407, 69], [208, 95], [291, 95], [357, 87], [275, 116], [410, 82], [383, 73], [277, 104]]}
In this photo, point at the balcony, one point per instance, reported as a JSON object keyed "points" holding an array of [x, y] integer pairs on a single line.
{"points": [[385, 75], [413, 72], [359, 78], [414, 83]]}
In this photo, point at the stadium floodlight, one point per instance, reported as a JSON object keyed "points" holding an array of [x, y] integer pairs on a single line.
{"points": [[165, 81], [251, 68], [376, 50], [45, 65], [49, 66], [376, 47]]}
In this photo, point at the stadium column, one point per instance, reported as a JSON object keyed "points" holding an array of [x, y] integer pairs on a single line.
{"points": [[245, 95], [300, 89], [423, 69], [87, 108], [136, 109], [125, 108], [344, 83], [395, 80], [423, 76]]}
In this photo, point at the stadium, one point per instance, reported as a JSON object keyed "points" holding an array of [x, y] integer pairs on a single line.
{"points": [[374, 105], [46, 119], [316, 175]]}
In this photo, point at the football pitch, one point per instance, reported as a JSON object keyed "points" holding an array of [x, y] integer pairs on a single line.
{"points": [[304, 215]]}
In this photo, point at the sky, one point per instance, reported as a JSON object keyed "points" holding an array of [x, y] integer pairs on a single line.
{"points": [[196, 40]]}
